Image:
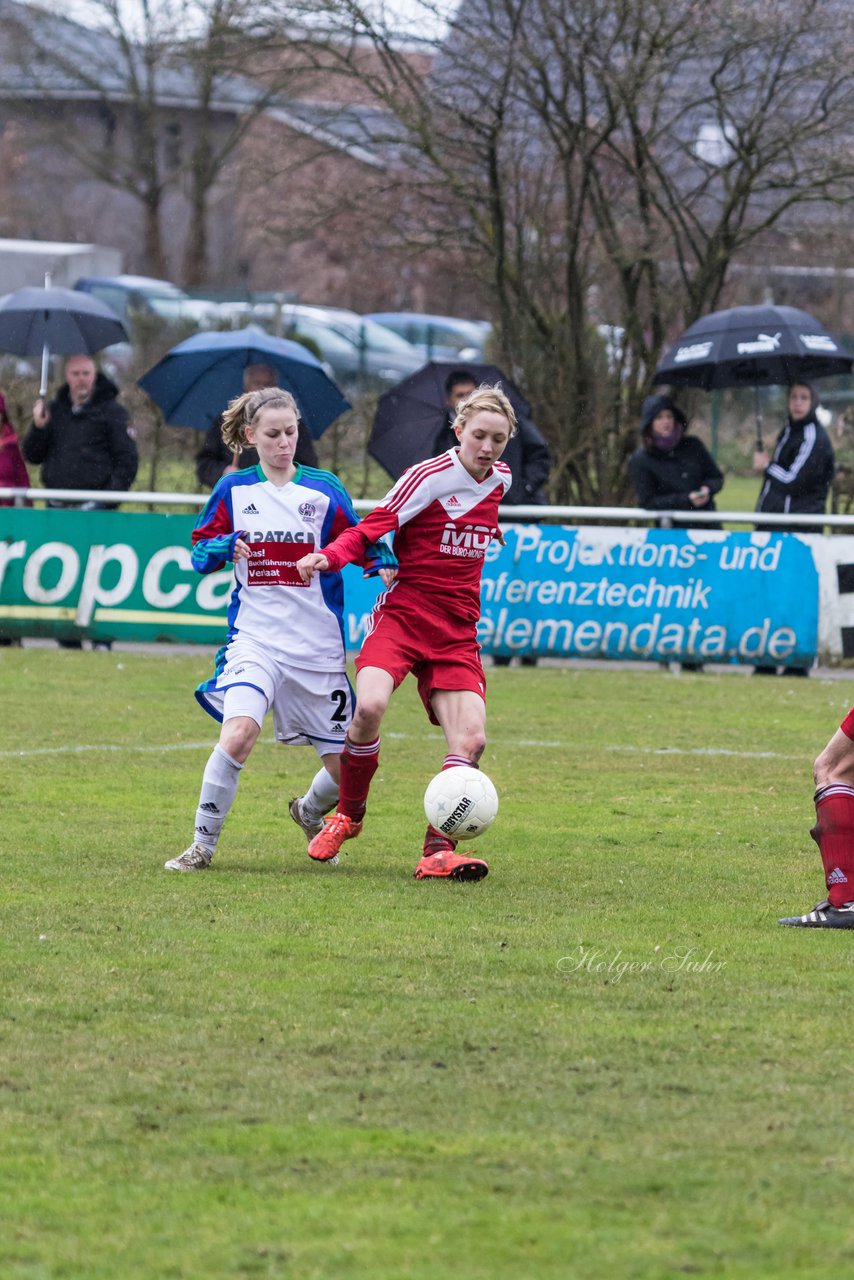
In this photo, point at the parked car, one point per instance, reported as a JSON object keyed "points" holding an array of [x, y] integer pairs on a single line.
{"points": [[145, 295], [381, 357], [437, 337], [357, 353]]}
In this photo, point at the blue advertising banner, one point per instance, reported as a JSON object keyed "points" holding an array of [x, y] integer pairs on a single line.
{"points": [[657, 594], [652, 593]]}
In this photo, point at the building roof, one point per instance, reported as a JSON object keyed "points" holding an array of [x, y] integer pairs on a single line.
{"points": [[44, 55]]}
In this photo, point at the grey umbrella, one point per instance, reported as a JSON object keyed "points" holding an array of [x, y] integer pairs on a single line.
{"points": [[36, 322]]}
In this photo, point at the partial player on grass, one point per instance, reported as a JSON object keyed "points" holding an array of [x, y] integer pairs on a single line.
{"points": [[834, 832], [285, 647], [444, 515]]}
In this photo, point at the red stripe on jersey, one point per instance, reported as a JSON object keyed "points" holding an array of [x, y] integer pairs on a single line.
{"points": [[218, 524], [415, 477]]}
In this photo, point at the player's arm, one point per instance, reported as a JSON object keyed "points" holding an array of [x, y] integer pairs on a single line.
{"points": [[216, 542], [352, 546]]}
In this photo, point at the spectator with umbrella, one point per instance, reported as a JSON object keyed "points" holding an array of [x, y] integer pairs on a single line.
{"points": [[198, 377], [414, 421], [83, 439], [798, 476], [215, 460]]}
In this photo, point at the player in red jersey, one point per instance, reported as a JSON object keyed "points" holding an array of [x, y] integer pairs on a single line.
{"points": [[444, 515], [834, 832]]}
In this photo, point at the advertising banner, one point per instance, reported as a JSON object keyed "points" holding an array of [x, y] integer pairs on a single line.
{"points": [[661, 594], [657, 594]]}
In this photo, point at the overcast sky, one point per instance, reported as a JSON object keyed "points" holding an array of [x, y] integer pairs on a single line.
{"points": [[409, 18]]}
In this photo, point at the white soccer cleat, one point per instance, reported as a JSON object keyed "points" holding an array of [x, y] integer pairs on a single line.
{"points": [[311, 829], [196, 858]]}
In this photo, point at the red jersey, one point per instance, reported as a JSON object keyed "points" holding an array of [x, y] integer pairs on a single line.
{"points": [[444, 521]]}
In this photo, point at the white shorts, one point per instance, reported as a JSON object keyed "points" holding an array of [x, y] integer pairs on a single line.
{"points": [[310, 708]]}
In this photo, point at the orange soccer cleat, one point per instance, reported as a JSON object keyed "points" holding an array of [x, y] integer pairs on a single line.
{"points": [[450, 866], [336, 829]]}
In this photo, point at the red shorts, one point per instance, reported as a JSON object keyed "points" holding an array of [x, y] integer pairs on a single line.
{"points": [[847, 725], [440, 657]]}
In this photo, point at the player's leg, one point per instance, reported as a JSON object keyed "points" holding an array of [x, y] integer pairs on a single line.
{"points": [[359, 762], [834, 832], [461, 713], [314, 708], [244, 709], [309, 810]]}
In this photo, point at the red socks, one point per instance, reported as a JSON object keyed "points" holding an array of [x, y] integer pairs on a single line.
{"points": [[435, 841], [834, 834], [359, 763]]}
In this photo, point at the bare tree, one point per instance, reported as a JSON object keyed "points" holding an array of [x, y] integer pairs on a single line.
{"points": [[603, 163], [144, 65]]}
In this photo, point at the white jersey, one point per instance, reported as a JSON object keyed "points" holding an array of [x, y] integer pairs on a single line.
{"points": [[270, 604]]}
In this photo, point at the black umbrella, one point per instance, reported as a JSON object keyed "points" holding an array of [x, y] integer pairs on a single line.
{"points": [[753, 347], [411, 413], [36, 322]]}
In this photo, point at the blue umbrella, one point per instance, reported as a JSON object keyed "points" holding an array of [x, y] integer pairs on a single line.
{"points": [[194, 381]]}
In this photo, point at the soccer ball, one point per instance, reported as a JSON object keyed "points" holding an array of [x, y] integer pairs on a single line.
{"points": [[461, 802]]}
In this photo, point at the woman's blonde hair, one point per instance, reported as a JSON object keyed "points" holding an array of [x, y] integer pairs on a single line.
{"points": [[242, 409], [485, 399]]}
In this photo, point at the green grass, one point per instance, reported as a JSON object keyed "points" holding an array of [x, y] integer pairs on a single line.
{"points": [[278, 1069]]}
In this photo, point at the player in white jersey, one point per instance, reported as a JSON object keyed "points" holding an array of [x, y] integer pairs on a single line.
{"points": [[285, 647], [444, 514]]}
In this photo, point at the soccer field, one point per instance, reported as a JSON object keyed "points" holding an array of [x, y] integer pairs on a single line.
{"points": [[604, 1061]]}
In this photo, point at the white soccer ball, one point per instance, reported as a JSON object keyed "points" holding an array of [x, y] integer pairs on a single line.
{"points": [[461, 802]]}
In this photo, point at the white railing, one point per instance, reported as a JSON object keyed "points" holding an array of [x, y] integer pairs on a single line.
{"points": [[534, 514]]}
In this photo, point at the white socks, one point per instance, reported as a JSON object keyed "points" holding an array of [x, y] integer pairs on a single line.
{"points": [[219, 787], [321, 796]]}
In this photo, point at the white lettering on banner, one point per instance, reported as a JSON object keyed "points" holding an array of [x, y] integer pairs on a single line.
{"points": [[214, 590], [211, 593], [151, 587], [692, 594], [691, 639], [92, 592], [10, 551], [568, 553], [70, 561]]}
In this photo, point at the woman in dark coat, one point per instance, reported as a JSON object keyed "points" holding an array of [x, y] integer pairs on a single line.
{"points": [[672, 471], [799, 475]]}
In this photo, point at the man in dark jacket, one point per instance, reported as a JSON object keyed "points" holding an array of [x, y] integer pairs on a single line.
{"points": [[214, 460], [83, 438], [527, 454]]}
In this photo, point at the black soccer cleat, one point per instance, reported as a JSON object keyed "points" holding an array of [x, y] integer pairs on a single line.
{"points": [[824, 916]]}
